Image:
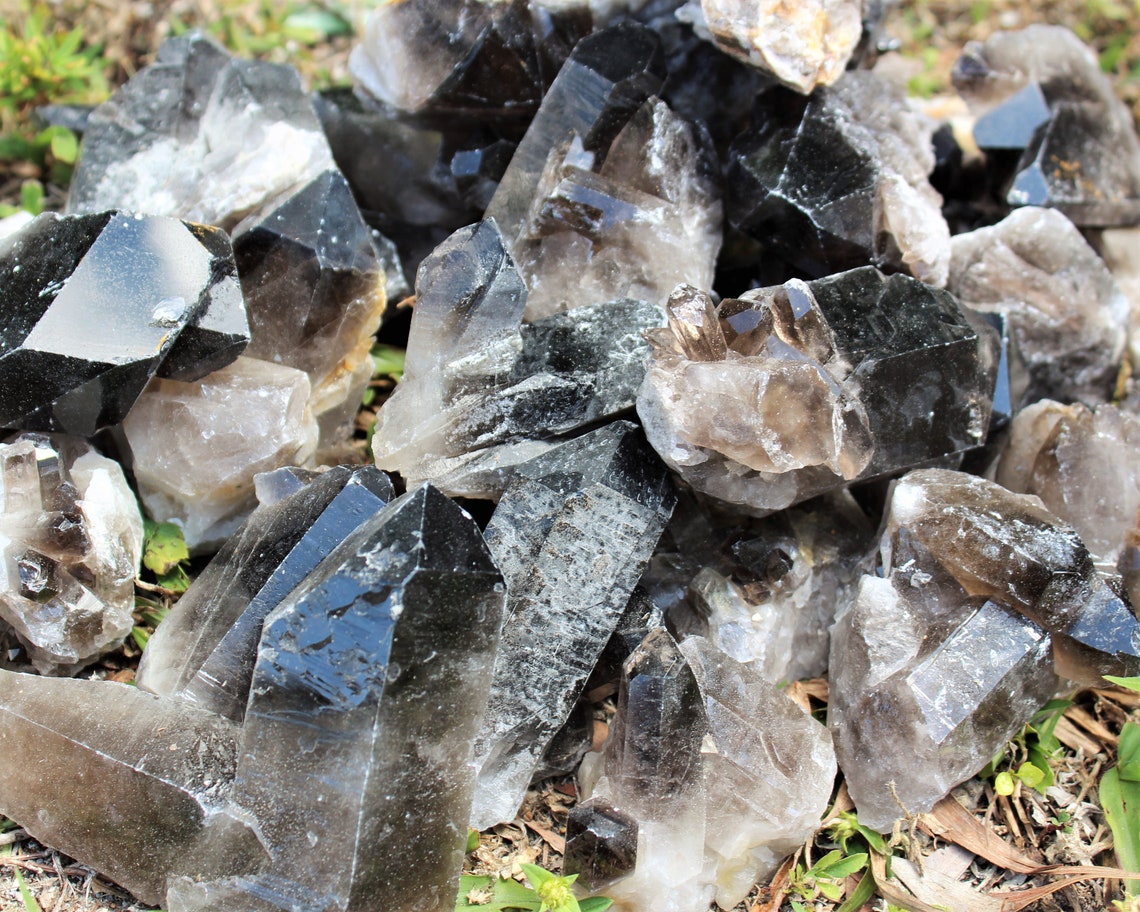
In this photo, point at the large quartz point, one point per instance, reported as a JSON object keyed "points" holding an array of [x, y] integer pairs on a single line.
{"points": [[717, 773], [121, 780], [70, 541], [1066, 314], [482, 392], [204, 651], [1045, 109], [1008, 548], [314, 284], [355, 754], [93, 304], [632, 223], [493, 61], [794, 390], [839, 180], [926, 684], [196, 447], [609, 75], [572, 535], [199, 135], [803, 45]]}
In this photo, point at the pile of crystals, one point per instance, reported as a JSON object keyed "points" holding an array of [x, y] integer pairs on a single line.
{"points": [[701, 300]]}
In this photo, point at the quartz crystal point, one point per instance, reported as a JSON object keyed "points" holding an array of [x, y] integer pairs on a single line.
{"points": [[1067, 316], [482, 393], [315, 289], [572, 535], [199, 135], [370, 682], [204, 651], [839, 180], [94, 303], [927, 683], [634, 224], [1007, 547], [70, 542], [803, 45], [1042, 102], [493, 61], [128, 783], [795, 390], [197, 446], [722, 774], [609, 75]]}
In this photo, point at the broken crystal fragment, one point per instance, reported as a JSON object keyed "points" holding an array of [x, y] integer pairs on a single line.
{"points": [[609, 75], [70, 542], [1066, 314], [370, 682], [204, 651], [195, 447], [572, 534], [480, 392], [92, 306], [121, 780], [1042, 102], [809, 386], [927, 683], [314, 285], [199, 135], [1008, 548], [633, 222], [839, 180], [803, 45]]}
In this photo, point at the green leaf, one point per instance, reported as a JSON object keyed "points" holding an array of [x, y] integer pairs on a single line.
{"points": [[32, 196], [595, 904], [860, 895], [1003, 783], [1129, 683], [500, 895], [25, 894], [843, 867], [312, 26], [388, 361], [140, 636], [1128, 753], [536, 875], [472, 840], [164, 547], [64, 145], [1031, 774], [874, 840]]}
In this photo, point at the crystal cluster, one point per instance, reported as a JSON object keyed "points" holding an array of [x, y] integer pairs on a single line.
{"points": [[70, 541]]}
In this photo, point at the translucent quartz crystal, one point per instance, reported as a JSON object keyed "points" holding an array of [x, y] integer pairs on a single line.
{"points": [[204, 651], [820, 384], [721, 773], [120, 780], [1008, 548], [94, 304], [197, 446], [926, 684], [609, 75], [1067, 316], [199, 135], [481, 392], [1120, 250], [839, 180], [632, 222], [314, 284], [571, 535], [1042, 102], [70, 542], [803, 45], [1079, 461], [471, 58], [354, 760]]}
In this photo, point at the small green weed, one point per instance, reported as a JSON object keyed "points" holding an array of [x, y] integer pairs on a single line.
{"points": [[824, 878], [1026, 759], [165, 555], [547, 893], [1120, 798], [30, 904]]}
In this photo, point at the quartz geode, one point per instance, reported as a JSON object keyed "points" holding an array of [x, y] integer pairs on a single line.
{"points": [[96, 305], [791, 391], [70, 541]]}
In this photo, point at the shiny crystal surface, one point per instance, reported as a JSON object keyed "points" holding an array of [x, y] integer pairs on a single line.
{"points": [[95, 305], [795, 390], [571, 535], [354, 757], [839, 180], [204, 651], [196, 447], [70, 541], [1041, 99], [199, 135]]}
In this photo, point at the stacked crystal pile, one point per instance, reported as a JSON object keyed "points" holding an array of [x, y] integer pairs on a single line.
{"points": [[689, 318]]}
